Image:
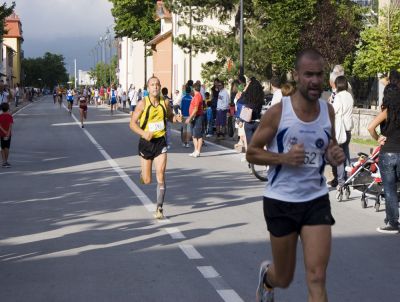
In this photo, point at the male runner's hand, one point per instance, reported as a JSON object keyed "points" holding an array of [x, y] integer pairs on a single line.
{"points": [[148, 135], [335, 154], [296, 155]]}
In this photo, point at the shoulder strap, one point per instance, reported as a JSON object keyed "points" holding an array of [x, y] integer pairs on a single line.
{"points": [[146, 119]]}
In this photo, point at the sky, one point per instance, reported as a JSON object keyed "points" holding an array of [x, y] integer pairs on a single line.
{"points": [[68, 27]]}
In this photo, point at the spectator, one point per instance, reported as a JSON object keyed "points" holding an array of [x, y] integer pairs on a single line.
{"points": [[254, 99], [196, 120], [276, 90], [185, 104], [4, 95], [389, 157], [164, 93], [17, 94], [6, 121], [343, 106], [222, 109]]}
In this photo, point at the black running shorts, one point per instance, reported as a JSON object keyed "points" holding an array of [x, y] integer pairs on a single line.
{"points": [[153, 148], [284, 218], [5, 143]]}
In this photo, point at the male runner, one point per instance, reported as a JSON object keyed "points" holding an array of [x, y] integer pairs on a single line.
{"points": [[149, 121], [70, 99], [300, 139]]}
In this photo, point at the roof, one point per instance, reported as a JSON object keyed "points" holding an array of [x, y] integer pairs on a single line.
{"points": [[160, 37], [13, 27]]}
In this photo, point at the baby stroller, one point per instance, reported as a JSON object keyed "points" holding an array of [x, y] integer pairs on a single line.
{"points": [[364, 176]]}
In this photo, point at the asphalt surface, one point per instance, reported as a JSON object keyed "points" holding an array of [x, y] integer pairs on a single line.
{"points": [[76, 225]]}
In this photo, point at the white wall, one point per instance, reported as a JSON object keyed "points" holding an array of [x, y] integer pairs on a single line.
{"points": [[131, 64], [181, 60]]}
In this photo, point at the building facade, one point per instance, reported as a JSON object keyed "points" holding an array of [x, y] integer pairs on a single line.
{"points": [[13, 39]]}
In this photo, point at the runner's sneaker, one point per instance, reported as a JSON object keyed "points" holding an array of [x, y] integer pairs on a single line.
{"points": [[159, 213], [388, 229], [264, 294]]}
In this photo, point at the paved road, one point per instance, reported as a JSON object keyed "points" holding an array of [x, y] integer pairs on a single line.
{"points": [[76, 225]]}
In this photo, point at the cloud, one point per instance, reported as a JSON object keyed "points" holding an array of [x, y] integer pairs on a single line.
{"points": [[68, 27]]}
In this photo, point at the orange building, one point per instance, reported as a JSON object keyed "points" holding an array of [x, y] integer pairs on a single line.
{"points": [[13, 39], [161, 46]]}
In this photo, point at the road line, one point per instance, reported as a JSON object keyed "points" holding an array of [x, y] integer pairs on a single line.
{"points": [[208, 272], [229, 295], [190, 251], [175, 233]]}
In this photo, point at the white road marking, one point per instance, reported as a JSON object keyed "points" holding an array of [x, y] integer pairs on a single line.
{"points": [[190, 251], [208, 272], [175, 233], [229, 295]]}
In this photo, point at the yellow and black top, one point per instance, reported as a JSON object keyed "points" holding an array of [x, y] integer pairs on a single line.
{"points": [[154, 118]]}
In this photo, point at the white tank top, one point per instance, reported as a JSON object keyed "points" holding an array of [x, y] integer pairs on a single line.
{"points": [[305, 182]]}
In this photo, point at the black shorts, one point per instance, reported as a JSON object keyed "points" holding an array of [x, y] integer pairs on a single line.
{"points": [[5, 144], [197, 127], [153, 148], [284, 218]]}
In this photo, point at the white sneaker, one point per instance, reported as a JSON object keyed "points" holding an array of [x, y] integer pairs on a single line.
{"points": [[194, 154], [209, 135]]}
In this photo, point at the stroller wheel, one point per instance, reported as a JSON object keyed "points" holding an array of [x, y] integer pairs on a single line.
{"points": [[347, 192], [339, 195], [364, 202]]}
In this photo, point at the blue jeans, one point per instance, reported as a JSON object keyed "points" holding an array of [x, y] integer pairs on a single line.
{"points": [[389, 165]]}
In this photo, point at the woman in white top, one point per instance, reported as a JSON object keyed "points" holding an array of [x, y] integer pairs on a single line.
{"points": [[343, 105]]}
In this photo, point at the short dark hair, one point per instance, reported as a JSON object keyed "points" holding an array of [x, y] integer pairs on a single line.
{"points": [[341, 83], [242, 79], [196, 86], [5, 107], [311, 53], [164, 91], [207, 94], [276, 82], [394, 77], [188, 89]]}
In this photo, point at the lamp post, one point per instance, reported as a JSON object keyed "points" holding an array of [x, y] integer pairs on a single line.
{"points": [[241, 69], [109, 44]]}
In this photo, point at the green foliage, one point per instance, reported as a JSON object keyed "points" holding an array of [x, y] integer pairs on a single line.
{"points": [[102, 72], [135, 19], [50, 69], [4, 13], [379, 50], [274, 32]]}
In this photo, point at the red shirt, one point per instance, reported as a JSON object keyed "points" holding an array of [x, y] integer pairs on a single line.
{"points": [[197, 101], [6, 120]]}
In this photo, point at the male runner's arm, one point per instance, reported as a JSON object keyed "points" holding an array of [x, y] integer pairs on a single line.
{"points": [[334, 154], [264, 135], [147, 135]]}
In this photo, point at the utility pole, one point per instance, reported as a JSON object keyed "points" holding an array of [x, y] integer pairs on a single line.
{"points": [[190, 47], [241, 70], [75, 73]]}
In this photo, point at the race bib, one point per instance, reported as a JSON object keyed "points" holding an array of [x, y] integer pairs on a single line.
{"points": [[312, 158], [156, 126]]}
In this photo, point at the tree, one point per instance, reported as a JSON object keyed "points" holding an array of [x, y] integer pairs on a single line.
{"points": [[4, 13], [50, 69], [135, 19], [274, 32], [102, 73], [379, 50]]}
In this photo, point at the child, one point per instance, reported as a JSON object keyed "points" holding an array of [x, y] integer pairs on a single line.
{"points": [[123, 99], [6, 121], [209, 115]]}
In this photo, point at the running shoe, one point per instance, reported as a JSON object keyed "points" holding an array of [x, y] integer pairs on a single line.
{"points": [[388, 229], [264, 294], [194, 154], [159, 213], [209, 135]]}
